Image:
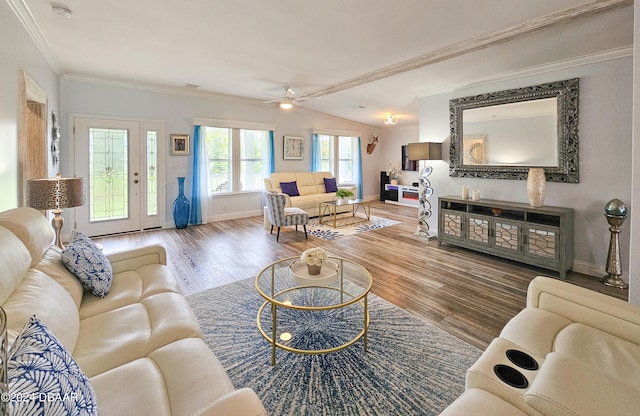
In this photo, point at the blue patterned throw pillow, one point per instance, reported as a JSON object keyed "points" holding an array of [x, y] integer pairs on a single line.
{"points": [[85, 260], [44, 379]]}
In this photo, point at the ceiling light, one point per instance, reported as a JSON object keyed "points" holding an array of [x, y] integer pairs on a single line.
{"points": [[61, 10], [285, 103], [390, 119]]}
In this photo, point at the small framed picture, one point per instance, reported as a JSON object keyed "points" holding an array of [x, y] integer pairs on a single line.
{"points": [[293, 147], [179, 144]]}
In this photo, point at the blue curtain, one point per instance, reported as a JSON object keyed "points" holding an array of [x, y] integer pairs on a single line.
{"points": [[272, 153], [316, 155], [198, 197], [358, 168]]}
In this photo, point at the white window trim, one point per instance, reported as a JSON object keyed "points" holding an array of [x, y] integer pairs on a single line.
{"points": [[231, 124], [329, 132]]}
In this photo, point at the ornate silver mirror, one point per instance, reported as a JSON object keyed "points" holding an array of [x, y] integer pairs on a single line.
{"points": [[500, 135]]}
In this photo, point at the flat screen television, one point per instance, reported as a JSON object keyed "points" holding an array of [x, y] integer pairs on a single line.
{"points": [[406, 163]]}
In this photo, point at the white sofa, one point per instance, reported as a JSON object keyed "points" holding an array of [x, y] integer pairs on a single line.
{"points": [[140, 346], [587, 349], [311, 188]]}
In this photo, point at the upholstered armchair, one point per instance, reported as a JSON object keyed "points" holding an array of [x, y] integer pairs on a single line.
{"points": [[279, 216]]}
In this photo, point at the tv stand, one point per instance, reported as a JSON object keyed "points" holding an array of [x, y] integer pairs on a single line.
{"points": [[541, 237], [403, 195]]}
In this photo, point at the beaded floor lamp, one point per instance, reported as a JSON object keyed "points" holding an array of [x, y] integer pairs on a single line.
{"points": [[424, 151]]}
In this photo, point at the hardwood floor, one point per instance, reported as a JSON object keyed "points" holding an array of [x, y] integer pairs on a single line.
{"points": [[468, 294]]}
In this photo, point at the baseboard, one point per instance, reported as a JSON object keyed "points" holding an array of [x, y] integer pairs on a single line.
{"points": [[235, 215], [596, 270]]}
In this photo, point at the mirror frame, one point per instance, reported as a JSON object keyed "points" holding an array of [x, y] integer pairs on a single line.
{"points": [[567, 94]]}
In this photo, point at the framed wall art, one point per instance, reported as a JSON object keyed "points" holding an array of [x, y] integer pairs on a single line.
{"points": [[293, 148], [179, 144]]}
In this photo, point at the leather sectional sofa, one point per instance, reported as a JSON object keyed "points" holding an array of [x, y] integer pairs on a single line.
{"points": [[571, 351], [311, 186], [140, 346]]}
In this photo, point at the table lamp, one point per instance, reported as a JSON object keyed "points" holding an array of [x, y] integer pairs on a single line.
{"points": [[55, 193]]}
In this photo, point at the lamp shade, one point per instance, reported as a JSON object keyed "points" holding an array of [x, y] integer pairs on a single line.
{"points": [[54, 193], [425, 151]]}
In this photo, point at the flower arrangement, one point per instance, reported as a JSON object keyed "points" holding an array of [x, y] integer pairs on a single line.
{"points": [[313, 256], [393, 170]]}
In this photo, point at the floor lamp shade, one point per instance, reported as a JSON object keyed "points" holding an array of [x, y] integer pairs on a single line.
{"points": [[424, 151], [55, 193]]}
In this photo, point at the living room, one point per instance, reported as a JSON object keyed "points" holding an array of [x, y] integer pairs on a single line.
{"points": [[607, 124]]}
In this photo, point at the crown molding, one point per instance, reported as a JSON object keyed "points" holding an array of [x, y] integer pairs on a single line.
{"points": [[22, 12], [531, 71], [183, 91]]}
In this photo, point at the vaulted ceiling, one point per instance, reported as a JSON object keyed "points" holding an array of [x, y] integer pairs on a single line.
{"points": [[337, 55]]}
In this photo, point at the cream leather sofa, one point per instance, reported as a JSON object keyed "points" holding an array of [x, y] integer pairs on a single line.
{"points": [[311, 188], [585, 348], [140, 346]]}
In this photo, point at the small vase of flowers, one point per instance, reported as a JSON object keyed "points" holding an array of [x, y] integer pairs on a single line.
{"points": [[313, 258], [394, 171]]}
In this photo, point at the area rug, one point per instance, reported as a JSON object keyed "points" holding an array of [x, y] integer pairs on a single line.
{"points": [[411, 367], [346, 225]]}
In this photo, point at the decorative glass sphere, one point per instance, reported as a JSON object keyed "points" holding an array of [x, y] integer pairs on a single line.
{"points": [[616, 207]]}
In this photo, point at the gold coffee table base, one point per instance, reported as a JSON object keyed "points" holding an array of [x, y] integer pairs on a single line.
{"points": [[330, 209]]}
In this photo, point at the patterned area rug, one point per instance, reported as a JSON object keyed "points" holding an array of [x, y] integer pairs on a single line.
{"points": [[411, 367], [346, 225]]}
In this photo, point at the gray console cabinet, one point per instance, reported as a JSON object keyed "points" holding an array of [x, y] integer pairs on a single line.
{"points": [[541, 237]]}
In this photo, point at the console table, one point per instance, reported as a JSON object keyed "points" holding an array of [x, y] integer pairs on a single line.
{"points": [[541, 237]]}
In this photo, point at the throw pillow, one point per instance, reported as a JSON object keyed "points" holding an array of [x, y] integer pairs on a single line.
{"points": [[44, 379], [290, 188], [330, 184], [85, 260]]}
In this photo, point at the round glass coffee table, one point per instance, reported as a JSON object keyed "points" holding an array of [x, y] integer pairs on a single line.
{"points": [[313, 314]]}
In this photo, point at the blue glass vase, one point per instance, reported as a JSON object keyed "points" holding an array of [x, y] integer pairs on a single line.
{"points": [[181, 207]]}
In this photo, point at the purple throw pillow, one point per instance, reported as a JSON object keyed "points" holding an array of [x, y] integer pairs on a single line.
{"points": [[330, 184], [290, 188]]}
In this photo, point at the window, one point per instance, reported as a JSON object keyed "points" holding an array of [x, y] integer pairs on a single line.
{"points": [[152, 175], [340, 152], [237, 158]]}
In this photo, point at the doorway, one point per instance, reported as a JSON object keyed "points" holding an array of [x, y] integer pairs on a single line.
{"points": [[121, 162]]}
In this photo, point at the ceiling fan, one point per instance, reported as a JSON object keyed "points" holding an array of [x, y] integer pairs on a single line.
{"points": [[287, 101]]}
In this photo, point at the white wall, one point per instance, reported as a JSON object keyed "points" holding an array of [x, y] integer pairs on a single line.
{"points": [[390, 149], [605, 155], [634, 220], [79, 97], [18, 52]]}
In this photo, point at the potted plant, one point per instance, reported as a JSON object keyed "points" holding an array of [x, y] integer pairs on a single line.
{"points": [[313, 258], [344, 193]]}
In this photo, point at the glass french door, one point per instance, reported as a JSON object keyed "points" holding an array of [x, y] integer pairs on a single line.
{"points": [[119, 160]]}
